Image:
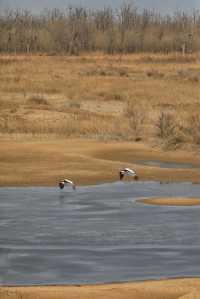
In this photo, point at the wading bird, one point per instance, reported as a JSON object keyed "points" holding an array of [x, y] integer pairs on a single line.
{"points": [[66, 182], [128, 172]]}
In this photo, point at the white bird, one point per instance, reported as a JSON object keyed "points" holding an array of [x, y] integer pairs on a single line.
{"points": [[66, 182], [128, 172]]}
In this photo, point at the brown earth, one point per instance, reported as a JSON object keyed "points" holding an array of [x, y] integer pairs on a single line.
{"points": [[171, 201], [163, 289], [88, 162]]}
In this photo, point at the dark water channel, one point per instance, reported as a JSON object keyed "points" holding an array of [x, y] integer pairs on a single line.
{"points": [[97, 234], [161, 164]]}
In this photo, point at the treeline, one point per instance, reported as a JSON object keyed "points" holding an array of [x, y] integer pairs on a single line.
{"points": [[77, 29]]}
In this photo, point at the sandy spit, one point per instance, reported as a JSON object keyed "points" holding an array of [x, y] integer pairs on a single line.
{"points": [[188, 288], [86, 162], [168, 201]]}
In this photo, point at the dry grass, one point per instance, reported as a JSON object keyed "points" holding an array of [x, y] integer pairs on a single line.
{"points": [[69, 96], [46, 98]]}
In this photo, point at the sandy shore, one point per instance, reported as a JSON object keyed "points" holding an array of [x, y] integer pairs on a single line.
{"points": [[188, 288], [167, 201], [89, 162], [43, 163]]}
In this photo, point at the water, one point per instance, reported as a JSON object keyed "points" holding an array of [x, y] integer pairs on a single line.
{"points": [[97, 234], [161, 164]]}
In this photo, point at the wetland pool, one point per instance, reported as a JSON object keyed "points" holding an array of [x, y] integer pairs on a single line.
{"points": [[97, 234]]}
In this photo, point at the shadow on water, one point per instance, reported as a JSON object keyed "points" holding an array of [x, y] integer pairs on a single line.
{"points": [[97, 234], [61, 199]]}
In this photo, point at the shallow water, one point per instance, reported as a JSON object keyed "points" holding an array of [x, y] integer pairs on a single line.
{"points": [[161, 164], [96, 234]]}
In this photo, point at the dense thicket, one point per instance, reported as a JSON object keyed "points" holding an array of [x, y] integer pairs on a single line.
{"points": [[78, 29]]}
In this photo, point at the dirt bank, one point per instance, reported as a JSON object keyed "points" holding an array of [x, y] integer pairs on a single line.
{"points": [[171, 201], [43, 163], [164, 289]]}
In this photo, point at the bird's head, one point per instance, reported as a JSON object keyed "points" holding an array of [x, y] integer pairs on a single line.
{"points": [[61, 185]]}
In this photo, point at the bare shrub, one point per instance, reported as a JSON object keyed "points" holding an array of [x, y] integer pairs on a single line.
{"points": [[183, 73], [175, 140], [136, 118], [188, 75], [194, 78], [170, 130], [170, 58], [8, 104], [117, 96], [112, 96], [110, 71], [193, 128], [123, 72], [75, 104], [38, 99], [166, 125], [154, 74]]}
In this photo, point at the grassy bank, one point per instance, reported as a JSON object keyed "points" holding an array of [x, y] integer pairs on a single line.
{"points": [[153, 98]]}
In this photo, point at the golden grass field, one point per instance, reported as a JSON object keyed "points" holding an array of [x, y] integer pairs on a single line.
{"points": [[101, 97], [80, 117]]}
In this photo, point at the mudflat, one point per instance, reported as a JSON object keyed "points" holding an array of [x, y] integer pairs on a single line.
{"points": [[43, 163], [171, 201], [188, 288]]}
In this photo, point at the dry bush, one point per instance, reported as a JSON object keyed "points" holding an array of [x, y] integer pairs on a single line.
{"points": [[169, 58], [74, 104], [136, 117], [194, 78], [117, 96], [183, 73], [154, 74], [166, 125], [8, 104], [112, 96], [175, 140], [193, 128], [189, 75], [122, 72], [170, 130], [12, 123], [38, 99]]}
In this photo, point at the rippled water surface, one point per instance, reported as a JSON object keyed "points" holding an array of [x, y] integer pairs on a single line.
{"points": [[96, 234], [161, 164]]}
